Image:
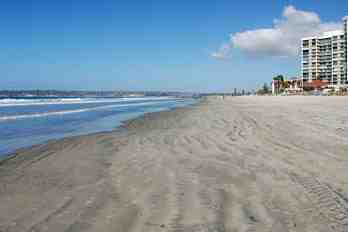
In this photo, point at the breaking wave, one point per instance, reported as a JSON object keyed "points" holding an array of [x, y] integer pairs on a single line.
{"points": [[37, 115], [56, 101]]}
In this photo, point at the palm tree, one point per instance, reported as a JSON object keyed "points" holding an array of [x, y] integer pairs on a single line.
{"points": [[281, 83]]}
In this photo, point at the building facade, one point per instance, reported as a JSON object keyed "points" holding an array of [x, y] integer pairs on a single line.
{"points": [[325, 57]]}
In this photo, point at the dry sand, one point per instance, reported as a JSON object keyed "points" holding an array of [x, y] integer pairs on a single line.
{"points": [[239, 164]]}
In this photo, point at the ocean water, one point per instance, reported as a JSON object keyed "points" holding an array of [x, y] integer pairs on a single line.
{"points": [[28, 121]]}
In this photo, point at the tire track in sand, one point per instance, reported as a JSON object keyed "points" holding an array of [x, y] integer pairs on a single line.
{"points": [[330, 204]]}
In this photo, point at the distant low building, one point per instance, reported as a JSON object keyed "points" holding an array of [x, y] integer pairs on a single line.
{"points": [[294, 86], [316, 85]]}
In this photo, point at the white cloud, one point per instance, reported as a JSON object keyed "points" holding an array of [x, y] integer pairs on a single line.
{"points": [[283, 39], [223, 53]]}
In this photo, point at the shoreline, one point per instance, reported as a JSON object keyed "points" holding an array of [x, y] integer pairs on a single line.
{"points": [[121, 129]]}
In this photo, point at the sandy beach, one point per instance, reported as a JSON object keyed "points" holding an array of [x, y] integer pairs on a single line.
{"points": [[240, 164]]}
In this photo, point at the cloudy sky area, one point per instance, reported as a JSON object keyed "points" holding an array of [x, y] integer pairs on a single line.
{"points": [[280, 40], [182, 45]]}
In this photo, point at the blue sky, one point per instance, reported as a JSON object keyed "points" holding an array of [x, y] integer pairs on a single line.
{"points": [[153, 45]]}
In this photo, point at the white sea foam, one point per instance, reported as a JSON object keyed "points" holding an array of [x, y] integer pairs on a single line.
{"points": [[28, 102], [37, 115]]}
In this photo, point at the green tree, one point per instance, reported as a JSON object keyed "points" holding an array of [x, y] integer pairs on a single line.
{"points": [[265, 88], [279, 78], [282, 83]]}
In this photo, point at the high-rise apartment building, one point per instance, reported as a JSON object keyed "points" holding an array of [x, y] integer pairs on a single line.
{"points": [[324, 57]]}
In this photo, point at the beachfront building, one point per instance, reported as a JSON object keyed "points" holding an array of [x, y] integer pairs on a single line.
{"points": [[292, 86], [324, 57]]}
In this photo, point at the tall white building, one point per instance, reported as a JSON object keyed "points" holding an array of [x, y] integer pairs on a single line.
{"points": [[325, 57]]}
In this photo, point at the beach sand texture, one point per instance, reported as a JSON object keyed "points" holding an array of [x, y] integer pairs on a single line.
{"points": [[241, 164]]}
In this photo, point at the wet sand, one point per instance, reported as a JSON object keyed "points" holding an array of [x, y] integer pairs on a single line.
{"points": [[239, 164]]}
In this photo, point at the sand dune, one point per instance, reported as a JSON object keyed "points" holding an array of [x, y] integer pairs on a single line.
{"points": [[239, 164]]}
